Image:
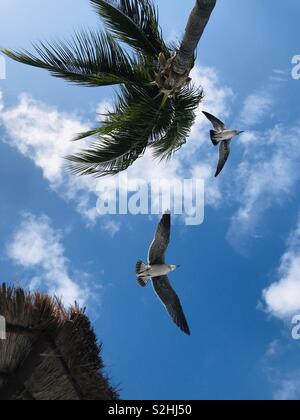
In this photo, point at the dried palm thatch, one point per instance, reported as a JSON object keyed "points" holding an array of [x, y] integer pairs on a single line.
{"points": [[50, 353]]}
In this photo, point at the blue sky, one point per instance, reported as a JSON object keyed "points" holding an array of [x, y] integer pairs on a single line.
{"points": [[239, 280]]}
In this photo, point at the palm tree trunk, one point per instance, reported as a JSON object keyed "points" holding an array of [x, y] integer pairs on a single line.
{"points": [[174, 73], [197, 22]]}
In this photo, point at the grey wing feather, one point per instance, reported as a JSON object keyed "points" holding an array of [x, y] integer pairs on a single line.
{"points": [[224, 154], [160, 242], [167, 295], [217, 124]]}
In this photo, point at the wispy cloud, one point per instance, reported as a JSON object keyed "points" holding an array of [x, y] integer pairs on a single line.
{"points": [[282, 298], [37, 247], [280, 76], [111, 226], [273, 350], [1, 101], [197, 159], [43, 134], [287, 388], [256, 106], [280, 366], [267, 176]]}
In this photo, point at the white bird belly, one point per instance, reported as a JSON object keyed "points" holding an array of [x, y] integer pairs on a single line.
{"points": [[227, 135], [159, 270]]}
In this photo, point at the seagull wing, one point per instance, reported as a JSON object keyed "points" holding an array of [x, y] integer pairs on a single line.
{"points": [[224, 154], [217, 124], [169, 298], [160, 242]]}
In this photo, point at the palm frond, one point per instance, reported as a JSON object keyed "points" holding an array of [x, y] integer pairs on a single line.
{"points": [[90, 59], [123, 136], [134, 22], [136, 123], [141, 117], [109, 156], [184, 106], [139, 108]]}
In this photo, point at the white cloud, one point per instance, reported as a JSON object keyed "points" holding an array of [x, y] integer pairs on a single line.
{"points": [[288, 388], [283, 296], [273, 350], [280, 370], [1, 101], [104, 107], [197, 158], [280, 76], [111, 227], [249, 138], [37, 247], [43, 134], [279, 71], [256, 107], [217, 101], [267, 176]]}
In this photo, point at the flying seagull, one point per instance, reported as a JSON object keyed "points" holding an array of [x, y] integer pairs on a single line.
{"points": [[220, 135], [157, 270]]}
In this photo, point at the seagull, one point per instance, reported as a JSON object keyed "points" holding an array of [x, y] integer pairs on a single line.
{"points": [[220, 135], [157, 271]]}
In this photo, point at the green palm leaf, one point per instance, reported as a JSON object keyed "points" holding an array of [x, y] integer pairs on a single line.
{"points": [[109, 156], [141, 117], [134, 22], [184, 106], [123, 136], [91, 59], [136, 123]]}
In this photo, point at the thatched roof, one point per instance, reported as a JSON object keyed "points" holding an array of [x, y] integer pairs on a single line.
{"points": [[50, 353]]}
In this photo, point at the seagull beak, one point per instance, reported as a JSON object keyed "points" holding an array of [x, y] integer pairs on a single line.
{"points": [[241, 132], [178, 266]]}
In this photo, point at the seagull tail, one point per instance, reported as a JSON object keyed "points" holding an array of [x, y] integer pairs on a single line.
{"points": [[141, 272], [140, 268], [214, 138]]}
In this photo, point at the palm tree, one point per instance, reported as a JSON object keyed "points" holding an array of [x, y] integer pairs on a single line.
{"points": [[156, 102]]}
